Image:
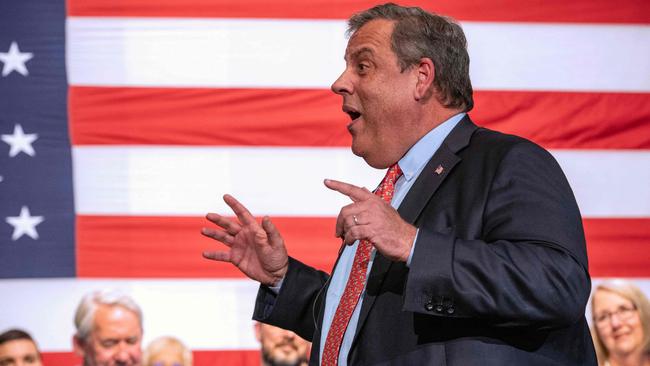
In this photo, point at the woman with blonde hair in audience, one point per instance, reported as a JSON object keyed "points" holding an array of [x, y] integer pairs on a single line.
{"points": [[621, 324], [167, 351]]}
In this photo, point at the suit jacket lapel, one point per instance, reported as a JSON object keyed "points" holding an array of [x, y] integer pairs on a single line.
{"points": [[431, 177], [436, 170]]}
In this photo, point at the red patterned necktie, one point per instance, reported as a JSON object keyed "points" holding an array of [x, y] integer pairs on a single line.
{"points": [[356, 280]]}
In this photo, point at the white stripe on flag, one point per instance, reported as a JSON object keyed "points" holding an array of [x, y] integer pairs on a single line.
{"points": [[144, 180], [204, 52], [309, 54], [138, 180], [608, 183]]}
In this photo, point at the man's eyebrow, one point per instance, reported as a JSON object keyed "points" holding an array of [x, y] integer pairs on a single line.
{"points": [[357, 53]]}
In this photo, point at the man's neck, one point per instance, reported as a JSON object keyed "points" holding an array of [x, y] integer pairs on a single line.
{"points": [[433, 117]]}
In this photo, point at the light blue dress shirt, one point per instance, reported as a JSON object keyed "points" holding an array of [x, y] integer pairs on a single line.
{"points": [[411, 164]]}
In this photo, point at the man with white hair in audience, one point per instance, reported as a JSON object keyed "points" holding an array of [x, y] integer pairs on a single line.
{"points": [[109, 330]]}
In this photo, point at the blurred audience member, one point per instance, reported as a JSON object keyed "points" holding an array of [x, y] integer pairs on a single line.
{"points": [[17, 348], [281, 347], [167, 351], [621, 322], [109, 330]]}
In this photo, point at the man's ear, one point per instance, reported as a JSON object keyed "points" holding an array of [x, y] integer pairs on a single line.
{"points": [[258, 331], [78, 346], [426, 74]]}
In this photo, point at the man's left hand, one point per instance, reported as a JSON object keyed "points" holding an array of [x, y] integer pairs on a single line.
{"points": [[369, 217]]}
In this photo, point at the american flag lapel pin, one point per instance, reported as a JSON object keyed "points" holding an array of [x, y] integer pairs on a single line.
{"points": [[439, 169]]}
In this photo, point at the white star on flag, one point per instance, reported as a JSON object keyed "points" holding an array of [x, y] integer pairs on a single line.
{"points": [[14, 60], [20, 142], [25, 224]]}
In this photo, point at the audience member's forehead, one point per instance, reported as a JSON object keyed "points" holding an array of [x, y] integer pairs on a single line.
{"points": [[109, 313], [15, 343], [109, 308], [603, 296]]}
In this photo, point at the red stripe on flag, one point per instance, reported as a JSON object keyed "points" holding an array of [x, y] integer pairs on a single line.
{"points": [[160, 116], [618, 247], [564, 120], [200, 358], [289, 117], [588, 11], [236, 357], [116, 246], [60, 359]]}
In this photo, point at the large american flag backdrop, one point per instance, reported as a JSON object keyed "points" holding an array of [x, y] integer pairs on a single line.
{"points": [[123, 122]]}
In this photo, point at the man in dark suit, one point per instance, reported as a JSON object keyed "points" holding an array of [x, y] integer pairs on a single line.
{"points": [[470, 252]]}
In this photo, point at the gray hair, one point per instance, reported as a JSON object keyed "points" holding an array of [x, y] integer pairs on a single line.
{"points": [[419, 34], [85, 314]]}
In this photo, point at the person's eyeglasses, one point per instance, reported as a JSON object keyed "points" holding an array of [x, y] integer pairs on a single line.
{"points": [[624, 312]]}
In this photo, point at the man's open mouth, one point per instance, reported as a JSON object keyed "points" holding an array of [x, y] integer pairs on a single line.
{"points": [[353, 113]]}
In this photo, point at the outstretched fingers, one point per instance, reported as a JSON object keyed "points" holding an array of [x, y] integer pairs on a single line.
{"points": [[230, 225], [272, 232], [217, 256], [218, 235], [244, 216]]}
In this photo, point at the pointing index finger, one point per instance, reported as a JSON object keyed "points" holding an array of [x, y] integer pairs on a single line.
{"points": [[355, 193]]}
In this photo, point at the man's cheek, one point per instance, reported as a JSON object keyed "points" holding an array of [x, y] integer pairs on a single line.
{"points": [[136, 354], [104, 357]]}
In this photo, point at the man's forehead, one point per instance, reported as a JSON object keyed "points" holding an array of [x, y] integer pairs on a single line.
{"points": [[111, 317], [371, 36], [18, 344]]}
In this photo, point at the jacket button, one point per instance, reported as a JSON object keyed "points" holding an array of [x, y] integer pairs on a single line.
{"points": [[428, 306], [450, 310], [439, 308]]}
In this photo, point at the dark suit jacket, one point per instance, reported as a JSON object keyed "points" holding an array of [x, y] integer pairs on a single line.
{"points": [[498, 276]]}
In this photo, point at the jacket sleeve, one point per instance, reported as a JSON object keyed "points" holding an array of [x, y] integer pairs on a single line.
{"points": [[528, 265], [296, 305]]}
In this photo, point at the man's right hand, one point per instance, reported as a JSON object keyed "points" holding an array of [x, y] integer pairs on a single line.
{"points": [[257, 250]]}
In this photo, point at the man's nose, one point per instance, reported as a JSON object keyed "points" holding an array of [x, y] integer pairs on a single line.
{"points": [[122, 356], [289, 335], [342, 85]]}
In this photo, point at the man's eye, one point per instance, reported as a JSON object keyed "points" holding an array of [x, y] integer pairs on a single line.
{"points": [[132, 340], [31, 359], [362, 67], [7, 362], [108, 344]]}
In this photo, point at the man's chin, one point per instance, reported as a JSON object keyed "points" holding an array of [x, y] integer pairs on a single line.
{"points": [[362, 154], [355, 149]]}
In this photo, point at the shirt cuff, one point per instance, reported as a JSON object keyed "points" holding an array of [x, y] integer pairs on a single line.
{"points": [[276, 289], [408, 261]]}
